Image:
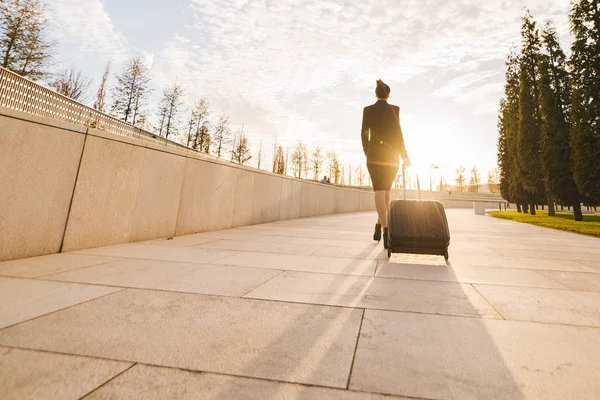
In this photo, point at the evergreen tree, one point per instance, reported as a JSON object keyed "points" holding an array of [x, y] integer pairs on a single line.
{"points": [[279, 161], [100, 102], [133, 87], [334, 167], [241, 151], [529, 131], [24, 48], [516, 192], [259, 155], [585, 104], [508, 121], [221, 136], [504, 163], [203, 138], [555, 140]]}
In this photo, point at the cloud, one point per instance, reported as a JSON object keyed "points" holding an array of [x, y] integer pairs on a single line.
{"points": [[303, 69], [86, 25]]}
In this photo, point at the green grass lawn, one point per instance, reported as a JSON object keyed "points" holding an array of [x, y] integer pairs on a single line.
{"points": [[562, 220]]}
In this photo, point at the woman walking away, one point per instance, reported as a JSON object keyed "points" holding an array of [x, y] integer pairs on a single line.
{"points": [[382, 142]]}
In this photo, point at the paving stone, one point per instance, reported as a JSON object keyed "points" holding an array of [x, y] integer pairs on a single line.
{"points": [[466, 259], [267, 247], [27, 374], [262, 339], [144, 382], [443, 357], [173, 276], [129, 250], [488, 275], [371, 252], [377, 293], [545, 254], [544, 305], [335, 265], [23, 299], [180, 241], [153, 252], [45, 265], [575, 280]]}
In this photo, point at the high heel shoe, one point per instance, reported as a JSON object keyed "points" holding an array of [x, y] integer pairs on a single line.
{"points": [[385, 238], [377, 234]]}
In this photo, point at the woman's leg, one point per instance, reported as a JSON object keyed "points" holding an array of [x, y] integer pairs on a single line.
{"points": [[381, 206], [388, 194]]}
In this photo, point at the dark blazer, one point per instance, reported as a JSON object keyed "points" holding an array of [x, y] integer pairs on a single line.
{"points": [[381, 133]]}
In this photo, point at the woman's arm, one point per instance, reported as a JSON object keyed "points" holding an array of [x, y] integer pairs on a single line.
{"points": [[401, 146], [364, 132]]}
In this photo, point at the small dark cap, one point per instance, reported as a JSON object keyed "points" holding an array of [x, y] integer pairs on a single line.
{"points": [[382, 90]]}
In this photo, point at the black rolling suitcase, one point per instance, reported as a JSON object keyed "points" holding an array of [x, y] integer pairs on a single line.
{"points": [[416, 226]]}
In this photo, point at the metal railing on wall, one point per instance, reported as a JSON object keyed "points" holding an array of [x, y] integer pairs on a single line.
{"points": [[21, 94]]}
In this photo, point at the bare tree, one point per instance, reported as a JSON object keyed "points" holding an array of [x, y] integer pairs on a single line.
{"points": [[350, 170], [237, 139], [198, 124], [305, 161], [221, 135], [169, 109], [24, 48], [494, 181], [100, 102], [299, 158], [460, 177], [317, 162], [474, 180], [133, 87], [72, 83], [434, 169], [360, 175]]}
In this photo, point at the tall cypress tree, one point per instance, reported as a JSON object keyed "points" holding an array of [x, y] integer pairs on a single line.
{"points": [[529, 132], [508, 123], [510, 116], [555, 141], [503, 154], [585, 104]]}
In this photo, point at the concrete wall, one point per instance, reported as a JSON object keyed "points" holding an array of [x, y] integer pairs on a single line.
{"points": [[64, 187]]}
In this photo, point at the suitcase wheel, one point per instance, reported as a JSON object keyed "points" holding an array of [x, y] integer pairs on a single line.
{"points": [[446, 255]]}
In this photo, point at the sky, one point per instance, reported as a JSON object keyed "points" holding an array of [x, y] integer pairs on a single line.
{"points": [[292, 70]]}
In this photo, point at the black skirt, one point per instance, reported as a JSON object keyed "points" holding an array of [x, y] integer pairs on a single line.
{"points": [[382, 174]]}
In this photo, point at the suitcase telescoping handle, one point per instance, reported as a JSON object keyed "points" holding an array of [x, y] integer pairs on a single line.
{"points": [[404, 183]]}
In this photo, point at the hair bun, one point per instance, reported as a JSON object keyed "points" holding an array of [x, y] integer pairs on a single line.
{"points": [[382, 90]]}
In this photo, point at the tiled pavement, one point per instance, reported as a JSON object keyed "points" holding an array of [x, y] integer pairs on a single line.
{"points": [[308, 309]]}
